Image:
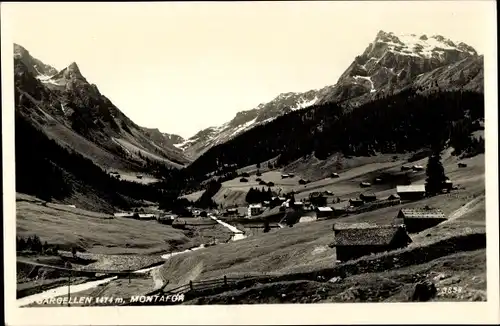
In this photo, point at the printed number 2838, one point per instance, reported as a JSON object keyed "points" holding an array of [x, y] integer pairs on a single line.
{"points": [[449, 290]]}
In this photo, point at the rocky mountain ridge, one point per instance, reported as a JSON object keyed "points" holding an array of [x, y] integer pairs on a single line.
{"points": [[72, 111], [391, 63]]}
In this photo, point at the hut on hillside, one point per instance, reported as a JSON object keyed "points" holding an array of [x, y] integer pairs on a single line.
{"points": [[462, 165], [448, 185], [417, 168], [394, 197], [254, 209], [340, 209], [419, 219], [359, 240], [303, 181], [411, 192], [335, 175], [167, 219], [365, 184], [324, 212], [368, 197], [147, 216], [317, 199], [356, 202]]}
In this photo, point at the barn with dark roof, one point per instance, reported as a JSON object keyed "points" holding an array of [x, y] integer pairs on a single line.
{"points": [[419, 219], [363, 239]]}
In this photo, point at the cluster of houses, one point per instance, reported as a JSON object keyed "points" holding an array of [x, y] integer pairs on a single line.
{"points": [[136, 215], [361, 239], [316, 207]]}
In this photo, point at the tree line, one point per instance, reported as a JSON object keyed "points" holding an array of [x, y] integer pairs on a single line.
{"points": [[34, 244], [48, 171], [404, 122], [255, 195]]}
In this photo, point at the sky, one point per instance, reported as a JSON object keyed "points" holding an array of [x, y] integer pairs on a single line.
{"points": [[184, 66]]}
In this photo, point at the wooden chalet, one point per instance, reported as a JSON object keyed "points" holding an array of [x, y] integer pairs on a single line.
{"points": [[411, 192], [419, 219], [368, 197], [357, 240]]}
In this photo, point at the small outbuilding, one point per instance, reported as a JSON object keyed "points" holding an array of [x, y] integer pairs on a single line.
{"points": [[365, 184], [254, 209], [324, 212], [411, 192], [357, 240], [394, 197], [356, 202], [368, 197], [417, 168], [419, 219]]}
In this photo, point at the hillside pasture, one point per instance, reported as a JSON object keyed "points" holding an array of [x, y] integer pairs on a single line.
{"points": [[97, 232], [305, 245]]}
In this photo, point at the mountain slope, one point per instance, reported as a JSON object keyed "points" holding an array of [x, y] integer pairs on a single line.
{"points": [[245, 120], [390, 64], [407, 121], [34, 66], [73, 112]]}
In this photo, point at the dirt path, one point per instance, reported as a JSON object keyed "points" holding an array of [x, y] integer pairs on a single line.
{"points": [[464, 209]]}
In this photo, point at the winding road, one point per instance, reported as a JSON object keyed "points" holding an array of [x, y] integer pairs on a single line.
{"points": [[238, 235]]}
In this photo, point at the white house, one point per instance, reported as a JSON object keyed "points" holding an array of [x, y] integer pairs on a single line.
{"points": [[254, 209]]}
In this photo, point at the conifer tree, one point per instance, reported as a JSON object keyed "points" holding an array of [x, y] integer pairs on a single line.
{"points": [[435, 174]]}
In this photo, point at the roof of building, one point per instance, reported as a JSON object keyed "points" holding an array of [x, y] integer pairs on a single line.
{"points": [[423, 213], [341, 205], [410, 188], [344, 226], [255, 206], [368, 194], [394, 196], [324, 209], [381, 235], [355, 200]]}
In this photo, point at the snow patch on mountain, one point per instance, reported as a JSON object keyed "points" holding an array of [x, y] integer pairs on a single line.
{"points": [[243, 127], [421, 46], [304, 104], [372, 90]]}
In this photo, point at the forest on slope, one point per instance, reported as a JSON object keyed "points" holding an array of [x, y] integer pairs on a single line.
{"points": [[404, 122], [49, 171]]}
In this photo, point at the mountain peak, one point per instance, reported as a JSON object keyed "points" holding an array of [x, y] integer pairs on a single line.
{"points": [[19, 50], [34, 66], [74, 67], [71, 72]]}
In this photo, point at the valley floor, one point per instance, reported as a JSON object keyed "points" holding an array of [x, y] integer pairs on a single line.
{"points": [[293, 257]]}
